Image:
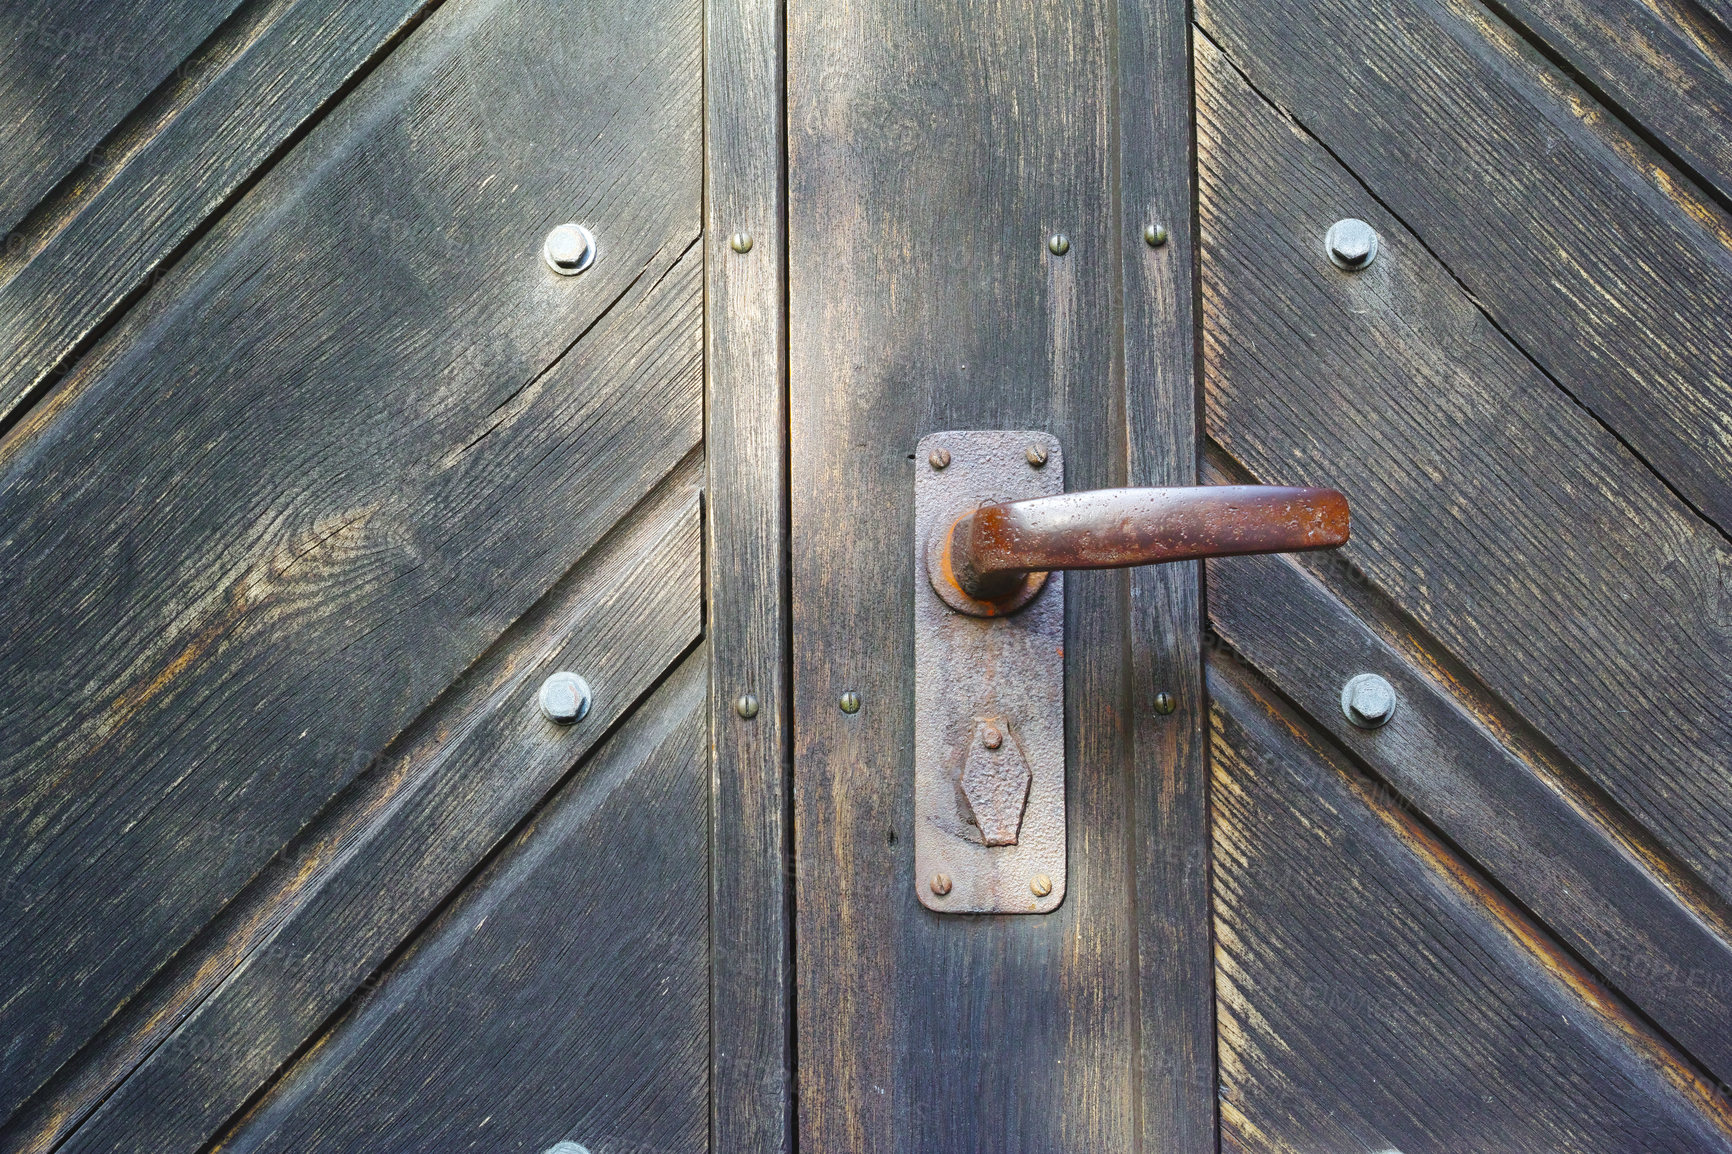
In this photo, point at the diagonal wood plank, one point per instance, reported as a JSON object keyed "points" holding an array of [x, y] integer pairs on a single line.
{"points": [[1377, 994], [1600, 264], [282, 508]]}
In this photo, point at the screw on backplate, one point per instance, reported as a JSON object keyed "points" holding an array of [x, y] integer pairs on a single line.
{"points": [[746, 705], [740, 242], [939, 458], [564, 698], [940, 884], [1155, 235], [1164, 703], [991, 738], [850, 702], [1352, 244], [569, 249], [1368, 700], [566, 1148], [1035, 455], [1040, 885], [1058, 244]]}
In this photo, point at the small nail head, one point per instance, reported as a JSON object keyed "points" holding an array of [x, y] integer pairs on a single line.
{"points": [[747, 705], [1164, 703], [1352, 244], [939, 458], [850, 702], [741, 242], [1155, 235], [1035, 455], [940, 884], [1368, 701], [564, 698], [569, 249], [1040, 886], [991, 738], [1058, 244]]}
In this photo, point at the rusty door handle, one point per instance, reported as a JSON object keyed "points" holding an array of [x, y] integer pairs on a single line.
{"points": [[993, 560]]}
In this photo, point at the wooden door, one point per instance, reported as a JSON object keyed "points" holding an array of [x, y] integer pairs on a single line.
{"points": [[1498, 921], [314, 471]]}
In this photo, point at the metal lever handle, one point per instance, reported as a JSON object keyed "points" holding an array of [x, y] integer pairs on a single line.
{"points": [[994, 560]]}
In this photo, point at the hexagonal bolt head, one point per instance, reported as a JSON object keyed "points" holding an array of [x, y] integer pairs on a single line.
{"points": [[1352, 244], [564, 698], [1368, 701], [569, 249]]}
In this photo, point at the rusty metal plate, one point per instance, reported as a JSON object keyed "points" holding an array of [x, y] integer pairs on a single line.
{"points": [[989, 833]]}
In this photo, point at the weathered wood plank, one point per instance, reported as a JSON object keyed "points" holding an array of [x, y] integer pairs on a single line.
{"points": [[1510, 526], [70, 70], [746, 423], [308, 933], [1169, 802], [564, 995], [1545, 839], [1665, 65], [158, 176], [275, 515], [933, 150], [1596, 261], [1378, 994]]}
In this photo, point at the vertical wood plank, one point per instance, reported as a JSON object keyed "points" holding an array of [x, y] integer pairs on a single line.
{"points": [[745, 431], [1169, 781]]}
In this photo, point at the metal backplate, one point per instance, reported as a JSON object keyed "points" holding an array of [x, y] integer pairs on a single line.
{"points": [[987, 679]]}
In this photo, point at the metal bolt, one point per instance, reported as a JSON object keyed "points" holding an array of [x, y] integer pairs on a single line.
{"points": [[940, 884], [1036, 455], [1040, 886], [1352, 244], [939, 458], [850, 702], [991, 738], [747, 705], [564, 698], [741, 242], [1155, 235], [1368, 701], [1058, 243], [569, 249], [1164, 703]]}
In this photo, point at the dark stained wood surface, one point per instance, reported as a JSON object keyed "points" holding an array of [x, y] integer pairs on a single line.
{"points": [[746, 424], [109, 230], [933, 151], [1509, 525], [312, 930], [1168, 800], [565, 995], [1667, 66], [356, 434], [1378, 994], [69, 71], [1607, 270]]}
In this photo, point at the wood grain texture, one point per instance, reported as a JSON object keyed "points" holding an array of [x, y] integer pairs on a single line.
{"points": [[1511, 527], [277, 512], [1666, 65], [1527, 823], [313, 929], [70, 71], [1378, 994], [564, 996], [933, 149], [746, 422], [1169, 798], [1594, 259], [108, 231]]}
